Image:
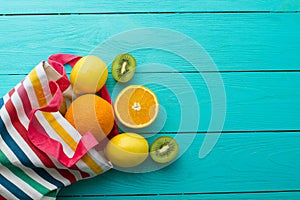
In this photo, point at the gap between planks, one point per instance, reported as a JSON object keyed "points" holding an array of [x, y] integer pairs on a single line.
{"points": [[194, 72], [153, 13], [193, 193], [230, 132]]}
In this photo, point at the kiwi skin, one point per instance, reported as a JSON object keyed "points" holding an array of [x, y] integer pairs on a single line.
{"points": [[123, 68], [164, 149]]}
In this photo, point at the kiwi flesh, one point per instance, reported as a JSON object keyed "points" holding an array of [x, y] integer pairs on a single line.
{"points": [[164, 149], [123, 67]]}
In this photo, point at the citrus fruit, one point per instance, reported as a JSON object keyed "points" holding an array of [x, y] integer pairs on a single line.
{"points": [[127, 150], [88, 75], [91, 113], [136, 106]]}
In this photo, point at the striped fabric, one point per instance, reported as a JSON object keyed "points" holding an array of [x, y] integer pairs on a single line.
{"points": [[26, 172]]}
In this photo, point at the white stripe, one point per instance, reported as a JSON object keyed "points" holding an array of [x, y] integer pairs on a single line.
{"points": [[58, 165], [6, 194], [61, 120], [100, 159], [5, 98], [30, 92], [26, 188], [26, 149], [18, 139], [52, 133], [24, 120], [102, 162], [40, 71], [47, 198], [34, 104], [15, 161], [92, 152], [16, 87], [17, 102], [43, 121]]}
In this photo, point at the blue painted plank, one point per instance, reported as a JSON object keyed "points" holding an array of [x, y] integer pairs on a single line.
{"points": [[254, 101], [96, 6], [244, 196], [238, 163], [117, 6], [235, 42]]}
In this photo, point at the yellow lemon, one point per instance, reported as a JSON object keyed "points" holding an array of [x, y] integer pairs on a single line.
{"points": [[88, 75], [127, 150]]}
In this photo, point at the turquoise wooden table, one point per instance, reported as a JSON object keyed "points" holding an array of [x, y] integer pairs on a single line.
{"points": [[242, 92]]}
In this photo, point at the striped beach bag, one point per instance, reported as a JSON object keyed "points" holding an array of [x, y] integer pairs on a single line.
{"points": [[40, 152]]}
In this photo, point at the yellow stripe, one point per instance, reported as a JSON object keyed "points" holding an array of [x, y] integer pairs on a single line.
{"points": [[57, 126], [38, 89]]}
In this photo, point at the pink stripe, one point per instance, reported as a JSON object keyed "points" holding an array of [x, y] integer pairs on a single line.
{"points": [[44, 157], [57, 61], [25, 99], [11, 92], [51, 146], [23, 133]]}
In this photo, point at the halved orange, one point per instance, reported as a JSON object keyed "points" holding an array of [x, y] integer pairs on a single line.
{"points": [[136, 106]]}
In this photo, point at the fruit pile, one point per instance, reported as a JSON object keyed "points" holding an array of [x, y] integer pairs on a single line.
{"points": [[136, 106]]}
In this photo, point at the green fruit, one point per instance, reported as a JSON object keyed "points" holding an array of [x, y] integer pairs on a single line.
{"points": [[164, 149], [123, 68]]}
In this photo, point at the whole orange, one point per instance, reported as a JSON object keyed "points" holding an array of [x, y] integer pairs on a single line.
{"points": [[91, 113]]}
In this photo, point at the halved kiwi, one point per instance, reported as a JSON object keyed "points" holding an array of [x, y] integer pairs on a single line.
{"points": [[164, 149], [123, 67]]}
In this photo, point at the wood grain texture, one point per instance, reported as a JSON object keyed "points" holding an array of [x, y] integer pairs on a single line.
{"points": [[255, 45], [255, 101], [238, 163], [245, 196], [235, 42], [117, 6]]}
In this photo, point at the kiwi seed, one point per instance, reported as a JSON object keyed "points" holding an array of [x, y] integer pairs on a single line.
{"points": [[164, 149], [123, 68]]}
